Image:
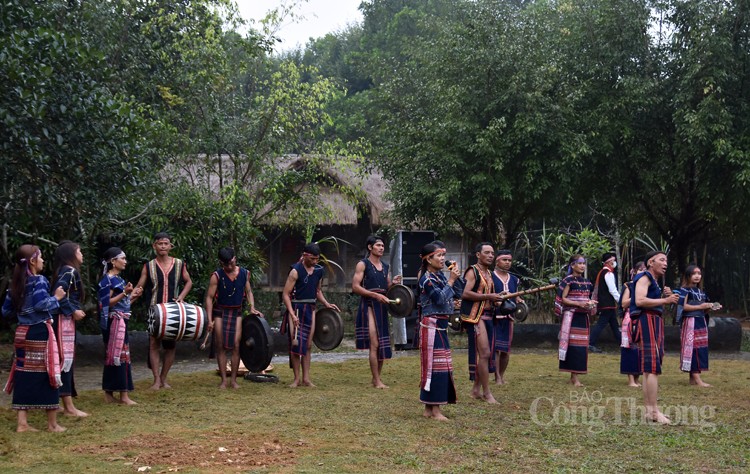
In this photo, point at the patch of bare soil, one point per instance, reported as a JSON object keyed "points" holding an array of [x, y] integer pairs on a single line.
{"points": [[209, 452]]}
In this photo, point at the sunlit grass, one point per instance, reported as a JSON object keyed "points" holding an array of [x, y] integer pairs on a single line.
{"points": [[343, 425]]}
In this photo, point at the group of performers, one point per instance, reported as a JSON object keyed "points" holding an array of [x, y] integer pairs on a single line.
{"points": [[641, 334], [43, 367], [42, 373]]}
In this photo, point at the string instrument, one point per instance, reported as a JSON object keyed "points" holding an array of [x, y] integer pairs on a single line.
{"points": [[508, 306]]}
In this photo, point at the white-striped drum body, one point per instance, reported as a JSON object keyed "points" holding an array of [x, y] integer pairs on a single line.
{"points": [[177, 321]]}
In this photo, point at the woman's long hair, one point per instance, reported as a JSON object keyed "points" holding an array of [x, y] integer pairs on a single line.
{"points": [[688, 274], [22, 260], [66, 255]]}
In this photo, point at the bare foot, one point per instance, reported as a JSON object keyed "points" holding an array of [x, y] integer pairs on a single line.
{"points": [[165, 385], [500, 381], [475, 395], [76, 412], [698, 381], [575, 382], [308, 384], [380, 385], [427, 413], [489, 398], [108, 398], [294, 384], [633, 384], [56, 428], [155, 386], [25, 428], [439, 416], [659, 418], [235, 385], [223, 385], [127, 401]]}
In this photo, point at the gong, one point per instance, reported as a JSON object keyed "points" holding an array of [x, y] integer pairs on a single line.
{"points": [[402, 300], [256, 344], [329, 329], [455, 321], [521, 312]]}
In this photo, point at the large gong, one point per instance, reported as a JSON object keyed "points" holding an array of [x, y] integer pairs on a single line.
{"points": [[256, 345], [329, 329], [402, 300]]}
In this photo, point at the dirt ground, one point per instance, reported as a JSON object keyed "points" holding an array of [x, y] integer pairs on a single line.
{"points": [[237, 453]]}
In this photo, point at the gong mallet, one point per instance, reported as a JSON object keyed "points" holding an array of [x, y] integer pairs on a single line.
{"points": [[295, 342]]}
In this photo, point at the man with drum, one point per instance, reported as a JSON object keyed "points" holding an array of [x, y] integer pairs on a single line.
{"points": [[227, 287], [301, 293], [371, 280], [164, 274]]}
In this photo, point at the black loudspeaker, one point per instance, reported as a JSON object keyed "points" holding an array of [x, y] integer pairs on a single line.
{"points": [[412, 243], [411, 263]]}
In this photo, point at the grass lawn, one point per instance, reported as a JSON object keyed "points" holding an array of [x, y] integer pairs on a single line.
{"points": [[541, 424]]}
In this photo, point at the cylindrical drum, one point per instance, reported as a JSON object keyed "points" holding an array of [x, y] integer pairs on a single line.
{"points": [[177, 321]]}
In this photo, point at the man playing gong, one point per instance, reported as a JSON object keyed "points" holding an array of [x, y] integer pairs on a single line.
{"points": [[504, 282], [477, 314], [301, 292], [227, 287], [371, 280]]}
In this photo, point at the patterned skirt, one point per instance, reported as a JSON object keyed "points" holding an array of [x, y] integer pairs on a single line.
{"points": [[362, 327], [31, 381], [118, 378], [694, 345], [649, 335], [577, 355], [436, 384], [228, 317]]}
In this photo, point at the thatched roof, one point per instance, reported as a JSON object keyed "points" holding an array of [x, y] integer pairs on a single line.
{"points": [[371, 186]]}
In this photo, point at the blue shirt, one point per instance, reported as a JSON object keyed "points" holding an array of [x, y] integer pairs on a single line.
{"points": [[436, 296], [116, 285], [38, 305]]}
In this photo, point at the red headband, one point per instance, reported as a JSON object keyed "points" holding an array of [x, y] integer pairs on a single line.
{"points": [[433, 253]]}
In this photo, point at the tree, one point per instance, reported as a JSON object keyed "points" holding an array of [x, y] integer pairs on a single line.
{"points": [[70, 146], [682, 158], [475, 120]]}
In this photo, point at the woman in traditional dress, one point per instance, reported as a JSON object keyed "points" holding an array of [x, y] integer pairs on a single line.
{"points": [[436, 299], [67, 263], [35, 375], [576, 291], [115, 297], [693, 317], [629, 361]]}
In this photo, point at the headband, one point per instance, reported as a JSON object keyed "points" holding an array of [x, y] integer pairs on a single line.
{"points": [[507, 254], [433, 253], [105, 262]]}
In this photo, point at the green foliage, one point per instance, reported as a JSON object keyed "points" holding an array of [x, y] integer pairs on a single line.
{"points": [[72, 148], [541, 256]]}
